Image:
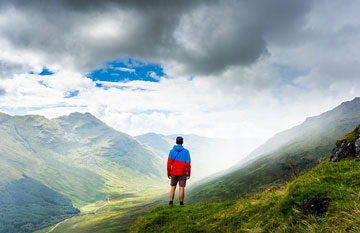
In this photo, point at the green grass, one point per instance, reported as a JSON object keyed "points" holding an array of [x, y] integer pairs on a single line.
{"points": [[275, 210], [118, 215], [349, 137]]}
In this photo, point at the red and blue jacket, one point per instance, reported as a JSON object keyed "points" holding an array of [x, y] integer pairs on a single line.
{"points": [[179, 162]]}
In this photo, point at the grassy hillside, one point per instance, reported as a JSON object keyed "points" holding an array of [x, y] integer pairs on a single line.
{"points": [[305, 145], [116, 214], [276, 210], [77, 156], [27, 205]]}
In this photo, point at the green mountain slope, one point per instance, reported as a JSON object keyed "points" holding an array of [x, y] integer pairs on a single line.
{"points": [[157, 142], [322, 200], [305, 145], [27, 205], [77, 156]]}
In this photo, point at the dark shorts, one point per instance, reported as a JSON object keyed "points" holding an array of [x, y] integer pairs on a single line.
{"points": [[176, 179]]}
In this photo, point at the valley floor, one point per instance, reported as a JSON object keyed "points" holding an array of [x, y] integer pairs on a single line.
{"points": [[116, 213]]}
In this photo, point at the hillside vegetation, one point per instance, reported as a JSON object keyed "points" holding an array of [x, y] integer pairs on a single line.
{"points": [[304, 146], [77, 159], [116, 214], [76, 155], [27, 205], [276, 210]]}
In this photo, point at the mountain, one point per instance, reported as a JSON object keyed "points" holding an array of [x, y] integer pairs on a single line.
{"points": [[78, 157], [27, 205], [157, 142], [302, 146], [206, 153], [324, 199]]}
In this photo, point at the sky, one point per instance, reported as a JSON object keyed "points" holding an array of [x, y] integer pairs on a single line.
{"points": [[235, 69]]}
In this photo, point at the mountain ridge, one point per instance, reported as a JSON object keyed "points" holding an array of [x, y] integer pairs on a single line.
{"points": [[304, 145], [77, 156]]}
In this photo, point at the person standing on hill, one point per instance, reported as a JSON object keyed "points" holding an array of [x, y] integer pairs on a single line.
{"points": [[178, 169]]}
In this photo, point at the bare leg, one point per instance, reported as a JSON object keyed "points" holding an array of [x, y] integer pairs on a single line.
{"points": [[181, 193], [172, 192]]}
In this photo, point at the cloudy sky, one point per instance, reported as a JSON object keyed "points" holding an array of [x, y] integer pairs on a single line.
{"points": [[231, 69]]}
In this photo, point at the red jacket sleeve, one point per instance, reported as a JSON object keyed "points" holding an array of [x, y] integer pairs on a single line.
{"points": [[188, 165], [188, 169], [169, 164]]}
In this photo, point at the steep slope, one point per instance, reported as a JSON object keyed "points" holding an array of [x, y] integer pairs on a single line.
{"points": [[322, 200], [280, 210], [206, 153], [77, 156], [27, 205], [305, 145]]}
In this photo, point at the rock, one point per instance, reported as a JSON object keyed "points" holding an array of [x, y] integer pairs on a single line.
{"points": [[346, 150], [357, 146], [316, 206]]}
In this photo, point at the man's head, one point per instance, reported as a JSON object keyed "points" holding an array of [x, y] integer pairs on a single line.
{"points": [[179, 140]]}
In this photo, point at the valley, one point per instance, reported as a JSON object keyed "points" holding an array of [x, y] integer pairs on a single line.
{"points": [[325, 199], [117, 214], [93, 178]]}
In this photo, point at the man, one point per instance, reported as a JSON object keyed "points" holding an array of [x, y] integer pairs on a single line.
{"points": [[178, 169]]}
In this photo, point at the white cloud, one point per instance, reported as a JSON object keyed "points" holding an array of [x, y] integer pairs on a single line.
{"points": [[125, 69]]}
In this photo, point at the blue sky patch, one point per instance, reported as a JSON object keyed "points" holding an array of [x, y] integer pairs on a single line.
{"points": [[100, 85], [46, 71], [107, 86], [71, 94], [127, 70]]}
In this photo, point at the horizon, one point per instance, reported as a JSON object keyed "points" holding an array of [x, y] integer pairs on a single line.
{"points": [[231, 156], [173, 134]]}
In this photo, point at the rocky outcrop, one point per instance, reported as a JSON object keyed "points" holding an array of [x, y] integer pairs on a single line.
{"points": [[347, 148]]}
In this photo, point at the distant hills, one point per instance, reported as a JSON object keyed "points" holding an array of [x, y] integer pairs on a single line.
{"points": [[77, 157], [304, 146]]}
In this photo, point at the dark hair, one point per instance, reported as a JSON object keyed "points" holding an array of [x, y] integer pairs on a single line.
{"points": [[179, 140]]}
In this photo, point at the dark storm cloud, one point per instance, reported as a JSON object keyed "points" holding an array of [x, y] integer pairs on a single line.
{"points": [[203, 36]]}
